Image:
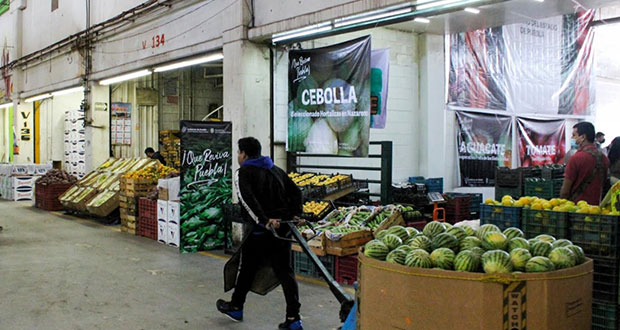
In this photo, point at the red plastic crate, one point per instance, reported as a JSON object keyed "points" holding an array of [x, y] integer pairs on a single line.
{"points": [[346, 269], [147, 218], [46, 196], [147, 208]]}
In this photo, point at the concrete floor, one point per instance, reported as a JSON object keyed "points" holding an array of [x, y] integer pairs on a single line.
{"points": [[61, 272]]}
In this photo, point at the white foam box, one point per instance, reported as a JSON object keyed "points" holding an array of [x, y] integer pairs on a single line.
{"points": [[42, 169], [162, 210], [22, 182], [173, 234], [162, 232], [174, 186], [23, 195], [19, 170], [174, 212]]}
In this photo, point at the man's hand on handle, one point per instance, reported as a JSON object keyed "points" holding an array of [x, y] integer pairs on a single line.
{"points": [[273, 223]]}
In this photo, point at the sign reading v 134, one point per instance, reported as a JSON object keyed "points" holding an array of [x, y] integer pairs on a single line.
{"points": [[156, 41]]}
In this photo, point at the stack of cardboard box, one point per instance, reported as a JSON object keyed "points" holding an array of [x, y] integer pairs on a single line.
{"points": [[169, 212]]}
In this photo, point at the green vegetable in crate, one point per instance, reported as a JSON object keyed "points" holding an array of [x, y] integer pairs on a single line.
{"points": [[433, 229], [467, 261], [486, 228], [412, 231], [496, 262], [443, 258], [545, 237], [539, 265], [399, 231], [418, 258], [561, 242], [494, 241], [518, 242], [376, 249], [445, 240], [478, 251], [421, 242], [469, 230], [541, 249], [578, 252], [513, 232], [458, 232], [562, 257], [396, 256], [469, 242], [519, 258], [391, 241], [381, 234]]}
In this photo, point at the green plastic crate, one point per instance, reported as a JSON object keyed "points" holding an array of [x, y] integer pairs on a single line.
{"points": [[536, 222]]}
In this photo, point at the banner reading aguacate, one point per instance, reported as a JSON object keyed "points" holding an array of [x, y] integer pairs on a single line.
{"points": [[206, 183], [484, 142], [329, 99], [541, 142]]}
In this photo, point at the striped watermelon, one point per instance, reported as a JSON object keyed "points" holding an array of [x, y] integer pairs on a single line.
{"points": [[391, 241], [421, 242], [532, 241], [545, 237], [478, 251], [469, 230], [513, 232], [399, 231], [396, 256], [562, 257], [580, 257], [469, 242], [494, 241], [443, 258], [405, 248], [376, 249], [466, 261], [412, 231], [447, 225], [518, 242], [381, 234], [433, 229], [519, 257], [561, 242], [541, 248], [458, 232], [496, 262], [486, 228], [445, 240], [418, 258], [539, 265]]}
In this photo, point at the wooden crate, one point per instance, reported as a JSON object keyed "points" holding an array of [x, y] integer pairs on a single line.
{"points": [[317, 244], [125, 229], [348, 244], [396, 219]]}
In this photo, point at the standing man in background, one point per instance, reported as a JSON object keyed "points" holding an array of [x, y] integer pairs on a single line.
{"points": [[150, 153], [586, 170], [599, 139]]}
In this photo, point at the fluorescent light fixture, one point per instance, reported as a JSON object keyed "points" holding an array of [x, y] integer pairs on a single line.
{"points": [[38, 97], [423, 20], [379, 14], [6, 105], [422, 5], [195, 61], [125, 77], [539, 0], [308, 30], [68, 91], [472, 10]]}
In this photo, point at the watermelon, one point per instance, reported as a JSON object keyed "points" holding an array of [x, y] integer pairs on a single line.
{"points": [[405, 248], [466, 261], [392, 241], [562, 257], [539, 265], [447, 225], [381, 234], [445, 240], [580, 257], [458, 232], [399, 231], [478, 251], [540, 248], [561, 242], [469, 230], [486, 228], [376, 249], [421, 242], [433, 229], [513, 232], [469, 242], [443, 258], [518, 242], [532, 241], [396, 256], [519, 257], [418, 258], [411, 231], [496, 262], [545, 237], [494, 241]]}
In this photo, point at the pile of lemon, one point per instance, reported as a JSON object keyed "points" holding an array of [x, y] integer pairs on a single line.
{"points": [[314, 207], [554, 204]]}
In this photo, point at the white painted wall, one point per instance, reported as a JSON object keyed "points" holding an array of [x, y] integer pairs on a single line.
{"points": [[52, 125], [26, 148], [5, 132]]}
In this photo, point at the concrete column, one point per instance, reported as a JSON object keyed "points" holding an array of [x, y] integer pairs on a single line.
{"points": [[98, 131]]}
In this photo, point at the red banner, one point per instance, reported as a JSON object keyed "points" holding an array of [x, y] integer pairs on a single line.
{"points": [[541, 142]]}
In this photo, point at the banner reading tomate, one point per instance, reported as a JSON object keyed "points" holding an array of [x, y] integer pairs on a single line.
{"points": [[329, 99], [484, 142], [541, 142]]}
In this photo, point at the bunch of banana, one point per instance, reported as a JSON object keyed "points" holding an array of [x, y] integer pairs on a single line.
{"points": [[378, 219], [358, 218]]}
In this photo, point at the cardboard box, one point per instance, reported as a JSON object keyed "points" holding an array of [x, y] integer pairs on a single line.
{"points": [[163, 193], [162, 183], [162, 210], [162, 232], [19, 170], [173, 234], [398, 297], [174, 212], [22, 182]]}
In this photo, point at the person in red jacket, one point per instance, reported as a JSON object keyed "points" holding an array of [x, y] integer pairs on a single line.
{"points": [[586, 171]]}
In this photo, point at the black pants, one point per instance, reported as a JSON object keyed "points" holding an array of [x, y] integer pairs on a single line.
{"points": [[263, 248]]}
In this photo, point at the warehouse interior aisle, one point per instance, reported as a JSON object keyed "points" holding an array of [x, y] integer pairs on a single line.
{"points": [[61, 272]]}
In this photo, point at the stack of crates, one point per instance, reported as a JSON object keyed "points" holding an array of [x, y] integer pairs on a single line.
{"points": [[501, 216], [536, 222], [457, 207], [508, 182], [303, 265]]}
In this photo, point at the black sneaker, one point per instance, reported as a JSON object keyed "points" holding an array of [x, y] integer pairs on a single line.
{"points": [[291, 324], [227, 309]]}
